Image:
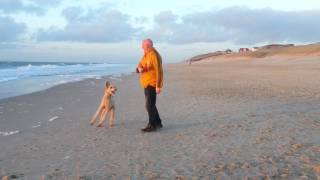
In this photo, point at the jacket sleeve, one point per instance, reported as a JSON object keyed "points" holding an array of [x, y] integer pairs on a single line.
{"points": [[157, 64]]}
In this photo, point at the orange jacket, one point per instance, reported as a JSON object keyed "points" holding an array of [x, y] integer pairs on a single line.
{"points": [[152, 74]]}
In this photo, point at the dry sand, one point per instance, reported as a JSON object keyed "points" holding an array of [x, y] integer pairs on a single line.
{"points": [[254, 119]]}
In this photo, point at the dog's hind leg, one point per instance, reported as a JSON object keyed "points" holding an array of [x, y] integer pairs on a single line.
{"points": [[112, 115], [94, 118], [98, 112], [103, 118]]}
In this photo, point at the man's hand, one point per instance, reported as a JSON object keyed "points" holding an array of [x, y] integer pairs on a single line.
{"points": [[139, 70], [158, 90]]}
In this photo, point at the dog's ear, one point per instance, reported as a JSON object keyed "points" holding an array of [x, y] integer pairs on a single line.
{"points": [[107, 84]]}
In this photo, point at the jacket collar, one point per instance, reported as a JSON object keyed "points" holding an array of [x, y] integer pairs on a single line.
{"points": [[148, 51]]}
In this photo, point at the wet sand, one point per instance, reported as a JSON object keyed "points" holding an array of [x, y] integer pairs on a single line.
{"points": [[255, 119]]}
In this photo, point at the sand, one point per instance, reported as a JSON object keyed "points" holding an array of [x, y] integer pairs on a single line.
{"points": [[254, 119]]}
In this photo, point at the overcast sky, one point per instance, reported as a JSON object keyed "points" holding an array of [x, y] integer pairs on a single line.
{"points": [[112, 30]]}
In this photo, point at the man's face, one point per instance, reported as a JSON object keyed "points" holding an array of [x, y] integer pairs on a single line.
{"points": [[144, 45]]}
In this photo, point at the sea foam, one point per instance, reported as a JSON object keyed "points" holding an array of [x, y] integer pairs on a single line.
{"points": [[9, 133]]}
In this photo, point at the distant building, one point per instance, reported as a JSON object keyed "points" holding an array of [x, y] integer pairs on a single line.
{"points": [[228, 51], [244, 50]]}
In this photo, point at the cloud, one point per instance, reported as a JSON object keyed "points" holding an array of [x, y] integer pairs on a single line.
{"points": [[91, 26], [31, 6], [240, 25], [10, 6], [45, 2], [73, 13], [141, 20], [10, 30], [12, 46]]}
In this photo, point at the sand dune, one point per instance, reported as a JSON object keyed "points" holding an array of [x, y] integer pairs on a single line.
{"points": [[305, 50], [294, 52]]}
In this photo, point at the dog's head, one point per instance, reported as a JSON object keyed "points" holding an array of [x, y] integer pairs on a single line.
{"points": [[110, 88]]}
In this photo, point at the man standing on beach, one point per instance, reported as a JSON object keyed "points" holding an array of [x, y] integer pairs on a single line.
{"points": [[151, 79]]}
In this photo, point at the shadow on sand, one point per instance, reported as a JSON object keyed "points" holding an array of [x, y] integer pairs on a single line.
{"points": [[178, 127]]}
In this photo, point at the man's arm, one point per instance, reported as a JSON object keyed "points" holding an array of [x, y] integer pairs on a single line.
{"points": [[159, 71]]}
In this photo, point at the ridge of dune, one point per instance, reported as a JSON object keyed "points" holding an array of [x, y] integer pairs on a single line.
{"points": [[292, 52]]}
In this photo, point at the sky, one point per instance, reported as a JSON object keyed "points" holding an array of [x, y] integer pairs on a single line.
{"points": [[112, 30]]}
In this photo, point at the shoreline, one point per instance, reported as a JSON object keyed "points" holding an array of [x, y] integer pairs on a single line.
{"points": [[19, 78], [221, 119], [111, 76]]}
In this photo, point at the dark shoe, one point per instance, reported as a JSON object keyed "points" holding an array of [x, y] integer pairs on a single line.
{"points": [[149, 128], [159, 126]]}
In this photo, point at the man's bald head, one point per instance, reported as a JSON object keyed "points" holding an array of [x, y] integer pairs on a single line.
{"points": [[147, 44]]}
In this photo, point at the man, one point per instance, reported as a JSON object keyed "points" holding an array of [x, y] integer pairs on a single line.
{"points": [[151, 79]]}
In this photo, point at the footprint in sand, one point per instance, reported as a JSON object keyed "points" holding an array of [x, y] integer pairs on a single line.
{"points": [[66, 157], [53, 118], [35, 126]]}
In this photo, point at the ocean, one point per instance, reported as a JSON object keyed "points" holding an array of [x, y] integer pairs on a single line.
{"points": [[18, 78]]}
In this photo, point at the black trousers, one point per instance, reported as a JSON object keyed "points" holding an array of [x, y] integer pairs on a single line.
{"points": [[151, 98]]}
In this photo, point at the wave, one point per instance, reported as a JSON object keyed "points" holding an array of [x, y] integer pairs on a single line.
{"points": [[8, 79], [12, 73]]}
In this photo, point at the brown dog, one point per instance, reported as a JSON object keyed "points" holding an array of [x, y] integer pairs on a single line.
{"points": [[106, 106]]}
